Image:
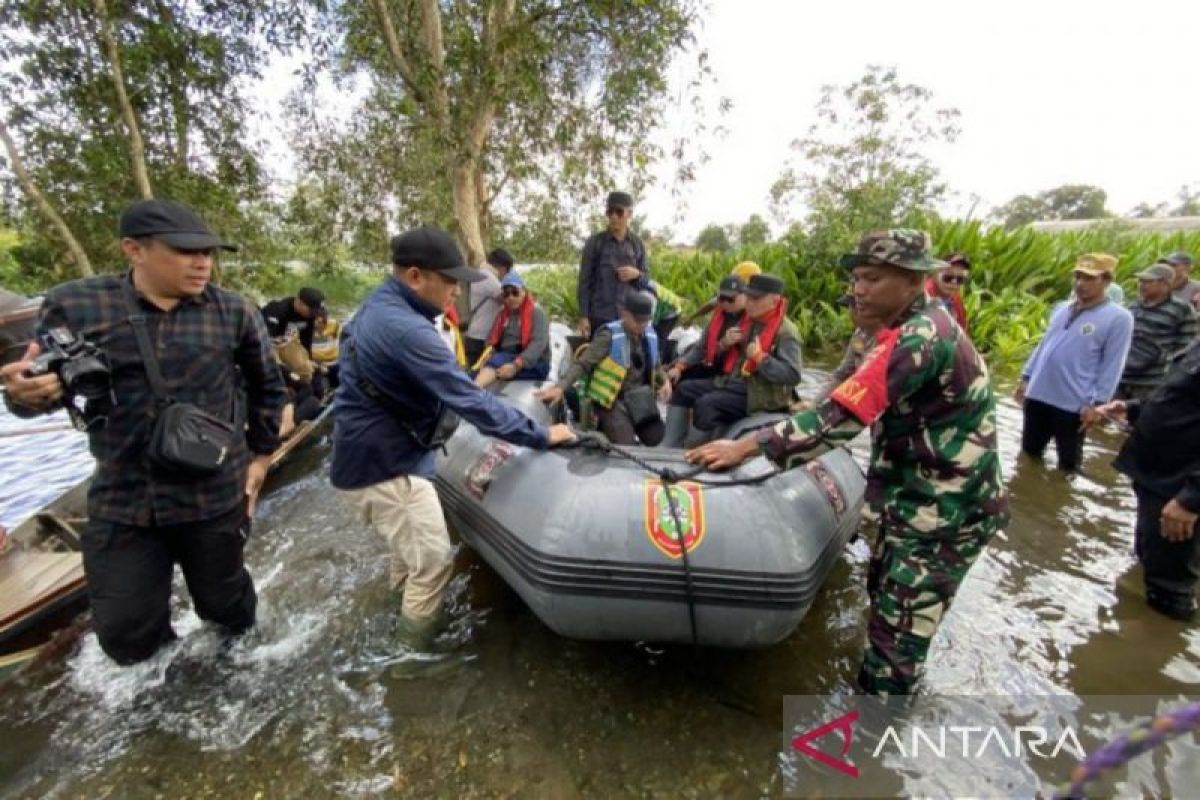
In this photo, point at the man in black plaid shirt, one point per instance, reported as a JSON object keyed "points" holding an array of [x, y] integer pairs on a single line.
{"points": [[141, 521]]}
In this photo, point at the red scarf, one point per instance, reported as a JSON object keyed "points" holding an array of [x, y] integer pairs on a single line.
{"points": [[766, 337], [452, 315], [526, 310], [958, 310], [712, 342]]}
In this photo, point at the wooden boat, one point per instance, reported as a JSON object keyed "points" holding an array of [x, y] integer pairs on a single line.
{"points": [[42, 586]]}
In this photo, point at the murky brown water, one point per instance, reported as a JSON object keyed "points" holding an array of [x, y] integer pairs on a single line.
{"points": [[318, 701]]}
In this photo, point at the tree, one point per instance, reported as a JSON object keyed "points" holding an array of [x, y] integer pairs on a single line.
{"points": [[714, 238], [1070, 201], [112, 100], [862, 163], [754, 232], [465, 101]]}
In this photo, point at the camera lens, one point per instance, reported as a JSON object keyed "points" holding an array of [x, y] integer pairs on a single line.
{"points": [[87, 377]]}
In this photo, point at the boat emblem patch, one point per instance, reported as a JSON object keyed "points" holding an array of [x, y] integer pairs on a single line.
{"points": [[833, 492], [479, 476], [660, 523]]}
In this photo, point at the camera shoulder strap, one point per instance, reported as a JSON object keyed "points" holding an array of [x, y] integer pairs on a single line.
{"points": [[388, 403], [138, 320]]}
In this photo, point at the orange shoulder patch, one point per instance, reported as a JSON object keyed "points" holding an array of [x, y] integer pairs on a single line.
{"points": [[864, 394]]}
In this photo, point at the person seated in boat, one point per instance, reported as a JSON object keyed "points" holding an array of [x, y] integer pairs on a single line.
{"points": [[192, 505], [744, 271], [518, 347], [722, 333], [622, 370], [759, 373]]}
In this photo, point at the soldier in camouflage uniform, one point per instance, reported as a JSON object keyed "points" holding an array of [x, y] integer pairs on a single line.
{"points": [[935, 473]]}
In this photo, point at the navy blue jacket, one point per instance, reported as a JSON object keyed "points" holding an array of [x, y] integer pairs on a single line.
{"points": [[399, 351]]}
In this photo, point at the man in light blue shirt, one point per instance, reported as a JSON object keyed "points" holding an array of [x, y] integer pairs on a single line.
{"points": [[1076, 366]]}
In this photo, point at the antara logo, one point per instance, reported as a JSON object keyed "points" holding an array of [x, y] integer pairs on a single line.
{"points": [[844, 725]]}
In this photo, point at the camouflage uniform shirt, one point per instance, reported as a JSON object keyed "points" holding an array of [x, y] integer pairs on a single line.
{"points": [[927, 395]]}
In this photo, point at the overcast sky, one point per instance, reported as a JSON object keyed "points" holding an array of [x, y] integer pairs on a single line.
{"points": [[1050, 92]]}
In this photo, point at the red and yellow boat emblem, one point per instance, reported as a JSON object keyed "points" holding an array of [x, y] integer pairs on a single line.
{"points": [[660, 523]]}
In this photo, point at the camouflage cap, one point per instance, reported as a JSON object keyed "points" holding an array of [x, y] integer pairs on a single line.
{"points": [[1096, 264], [906, 248]]}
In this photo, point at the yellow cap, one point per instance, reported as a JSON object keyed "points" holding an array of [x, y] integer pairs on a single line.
{"points": [[745, 269], [1096, 264]]}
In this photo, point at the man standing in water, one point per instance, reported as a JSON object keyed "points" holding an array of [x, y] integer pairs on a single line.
{"points": [[142, 519], [1076, 365], [398, 381], [935, 472], [1162, 458]]}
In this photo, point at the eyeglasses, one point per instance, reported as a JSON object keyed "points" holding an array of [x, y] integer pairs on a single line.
{"points": [[511, 292], [726, 298], [959, 279]]}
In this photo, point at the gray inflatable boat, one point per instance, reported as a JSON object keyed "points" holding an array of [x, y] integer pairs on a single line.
{"points": [[589, 541]]}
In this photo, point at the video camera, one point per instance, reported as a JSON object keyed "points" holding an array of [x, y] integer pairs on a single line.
{"points": [[85, 374]]}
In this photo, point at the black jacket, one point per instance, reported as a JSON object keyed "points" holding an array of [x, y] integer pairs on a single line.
{"points": [[281, 314], [1163, 451]]}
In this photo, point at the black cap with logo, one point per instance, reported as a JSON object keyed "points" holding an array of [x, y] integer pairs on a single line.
{"points": [[432, 248]]}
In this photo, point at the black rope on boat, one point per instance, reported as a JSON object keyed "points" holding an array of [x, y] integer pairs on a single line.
{"points": [[669, 478]]}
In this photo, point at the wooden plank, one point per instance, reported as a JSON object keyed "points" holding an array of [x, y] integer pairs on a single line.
{"points": [[31, 579]]}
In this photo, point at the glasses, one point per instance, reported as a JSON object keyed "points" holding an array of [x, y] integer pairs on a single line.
{"points": [[511, 292], [958, 279], [727, 298]]}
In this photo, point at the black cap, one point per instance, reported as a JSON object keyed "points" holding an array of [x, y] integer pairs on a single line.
{"points": [[313, 298], [957, 259], [640, 305], [1177, 259], [431, 248], [760, 285], [619, 200], [501, 258], [175, 224], [731, 285]]}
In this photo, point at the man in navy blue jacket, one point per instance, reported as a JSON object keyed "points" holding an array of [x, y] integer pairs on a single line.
{"points": [[397, 380]]}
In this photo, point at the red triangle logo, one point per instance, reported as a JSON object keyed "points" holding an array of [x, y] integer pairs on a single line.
{"points": [[844, 725]]}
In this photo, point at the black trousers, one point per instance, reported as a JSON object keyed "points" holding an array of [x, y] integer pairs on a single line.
{"points": [[617, 425], [473, 348], [1044, 422], [712, 406], [1171, 568], [129, 571]]}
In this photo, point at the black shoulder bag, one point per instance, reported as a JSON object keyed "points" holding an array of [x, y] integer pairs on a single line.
{"points": [[444, 425], [185, 440]]}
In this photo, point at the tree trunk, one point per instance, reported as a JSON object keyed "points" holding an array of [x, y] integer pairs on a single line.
{"points": [[137, 149], [35, 194], [467, 210]]}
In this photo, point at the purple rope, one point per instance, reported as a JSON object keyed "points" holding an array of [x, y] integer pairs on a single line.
{"points": [[1129, 746]]}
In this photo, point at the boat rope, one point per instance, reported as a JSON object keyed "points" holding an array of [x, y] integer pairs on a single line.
{"points": [[1129, 746]]}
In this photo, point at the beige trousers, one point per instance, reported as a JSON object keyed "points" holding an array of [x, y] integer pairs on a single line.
{"points": [[406, 512]]}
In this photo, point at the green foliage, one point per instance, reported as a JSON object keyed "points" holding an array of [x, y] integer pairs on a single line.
{"points": [[1070, 201], [1017, 279], [754, 233], [714, 239]]}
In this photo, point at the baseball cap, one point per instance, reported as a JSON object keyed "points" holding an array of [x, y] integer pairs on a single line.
{"points": [[170, 222], [313, 298], [1095, 264], [431, 248], [501, 258], [619, 200], [1179, 257], [640, 305], [764, 284], [512, 279], [906, 248], [1157, 272], [731, 286], [957, 259]]}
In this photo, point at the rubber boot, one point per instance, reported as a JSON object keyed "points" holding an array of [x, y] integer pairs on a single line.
{"points": [[676, 426]]}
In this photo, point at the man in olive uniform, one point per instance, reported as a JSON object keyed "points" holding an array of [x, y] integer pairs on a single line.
{"points": [[622, 368], [935, 472]]}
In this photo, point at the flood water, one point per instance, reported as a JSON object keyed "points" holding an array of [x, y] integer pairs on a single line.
{"points": [[319, 701]]}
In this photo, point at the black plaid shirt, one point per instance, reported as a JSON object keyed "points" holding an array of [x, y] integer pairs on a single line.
{"points": [[201, 346]]}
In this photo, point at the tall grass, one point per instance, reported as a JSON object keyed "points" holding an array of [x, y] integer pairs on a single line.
{"points": [[1017, 278]]}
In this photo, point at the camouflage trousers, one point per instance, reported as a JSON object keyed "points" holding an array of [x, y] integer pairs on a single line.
{"points": [[912, 579]]}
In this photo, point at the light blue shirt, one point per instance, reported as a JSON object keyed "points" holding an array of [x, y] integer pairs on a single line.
{"points": [[1079, 360]]}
